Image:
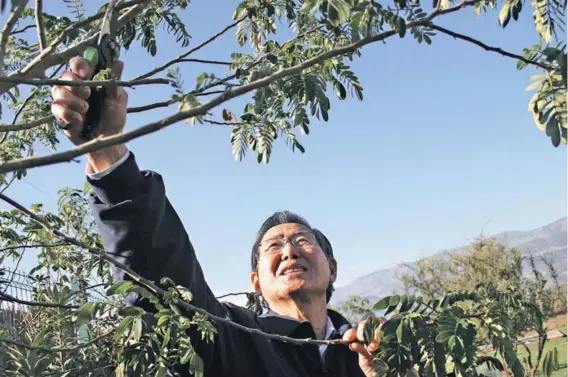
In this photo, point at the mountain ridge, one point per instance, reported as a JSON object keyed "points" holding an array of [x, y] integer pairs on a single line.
{"points": [[548, 240]]}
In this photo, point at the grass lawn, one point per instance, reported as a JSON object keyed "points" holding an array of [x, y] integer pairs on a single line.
{"points": [[560, 344], [556, 323]]}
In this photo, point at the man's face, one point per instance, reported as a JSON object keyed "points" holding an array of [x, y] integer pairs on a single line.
{"points": [[291, 262]]}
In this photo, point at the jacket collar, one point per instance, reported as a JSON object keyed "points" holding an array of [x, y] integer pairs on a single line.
{"points": [[278, 324]]}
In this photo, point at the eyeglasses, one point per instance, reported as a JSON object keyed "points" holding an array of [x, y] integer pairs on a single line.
{"points": [[275, 245]]}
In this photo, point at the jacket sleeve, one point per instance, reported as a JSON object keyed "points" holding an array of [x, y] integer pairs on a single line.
{"points": [[140, 228]]}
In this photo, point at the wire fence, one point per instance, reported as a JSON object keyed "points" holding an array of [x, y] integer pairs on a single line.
{"points": [[17, 290]]}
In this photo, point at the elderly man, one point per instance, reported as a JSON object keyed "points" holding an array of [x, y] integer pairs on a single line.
{"points": [[292, 263]]}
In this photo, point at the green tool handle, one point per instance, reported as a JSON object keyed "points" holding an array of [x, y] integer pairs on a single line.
{"points": [[96, 99]]}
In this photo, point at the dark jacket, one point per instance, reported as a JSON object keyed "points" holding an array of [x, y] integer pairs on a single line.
{"points": [[140, 228]]}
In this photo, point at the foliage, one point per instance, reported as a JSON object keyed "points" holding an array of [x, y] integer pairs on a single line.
{"points": [[490, 268], [65, 332], [354, 308]]}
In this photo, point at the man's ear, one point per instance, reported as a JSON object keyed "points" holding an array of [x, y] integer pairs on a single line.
{"points": [[332, 269], [255, 282]]}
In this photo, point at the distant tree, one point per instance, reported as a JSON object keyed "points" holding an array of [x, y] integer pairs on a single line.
{"points": [[494, 270], [354, 308]]}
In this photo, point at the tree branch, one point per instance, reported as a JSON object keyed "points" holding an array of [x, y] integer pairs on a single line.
{"points": [[16, 247], [103, 142], [486, 47], [50, 118], [7, 297], [26, 126], [55, 349], [154, 288], [232, 294], [191, 51], [24, 104], [39, 22], [19, 8], [46, 59], [204, 61], [40, 82], [23, 30]]}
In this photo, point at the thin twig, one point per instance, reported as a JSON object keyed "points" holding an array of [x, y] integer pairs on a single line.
{"points": [[40, 82], [151, 106], [55, 349], [487, 47], [24, 104], [157, 290], [191, 51], [23, 30], [26, 126], [16, 247], [232, 294], [7, 297], [19, 8], [47, 59], [39, 22], [204, 61]]}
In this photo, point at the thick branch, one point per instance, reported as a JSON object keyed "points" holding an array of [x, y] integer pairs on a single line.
{"points": [[39, 22], [154, 288], [40, 82], [191, 51], [103, 142], [51, 118], [46, 59], [19, 8], [486, 47], [55, 349], [7, 297]]}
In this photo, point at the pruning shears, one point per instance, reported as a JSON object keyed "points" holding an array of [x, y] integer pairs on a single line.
{"points": [[100, 56]]}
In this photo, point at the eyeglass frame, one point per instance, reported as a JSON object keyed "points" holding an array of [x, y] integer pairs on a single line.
{"points": [[311, 238]]}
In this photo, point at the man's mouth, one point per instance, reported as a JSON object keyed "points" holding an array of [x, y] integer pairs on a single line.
{"points": [[293, 270]]}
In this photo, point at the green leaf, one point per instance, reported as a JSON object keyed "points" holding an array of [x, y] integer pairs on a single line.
{"points": [[505, 14], [131, 311], [382, 303], [119, 288], [123, 326], [338, 11], [401, 26], [444, 336], [85, 313]]}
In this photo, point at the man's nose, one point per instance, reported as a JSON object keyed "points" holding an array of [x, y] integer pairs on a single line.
{"points": [[289, 252]]}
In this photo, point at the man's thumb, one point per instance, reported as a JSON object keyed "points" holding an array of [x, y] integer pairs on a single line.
{"points": [[117, 68]]}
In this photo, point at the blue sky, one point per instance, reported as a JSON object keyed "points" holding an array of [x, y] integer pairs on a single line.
{"points": [[441, 149]]}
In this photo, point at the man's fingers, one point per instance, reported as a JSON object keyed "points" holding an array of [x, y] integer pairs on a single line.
{"points": [[66, 114], [360, 349], [361, 331], [80, 66], [350, 335], [62, 95], [82, 91]]}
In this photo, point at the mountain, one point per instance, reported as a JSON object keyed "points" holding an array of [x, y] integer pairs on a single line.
{"points": [[548, 241]]}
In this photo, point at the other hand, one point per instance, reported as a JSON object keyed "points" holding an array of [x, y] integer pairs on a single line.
{"points": [[364, 347]]}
